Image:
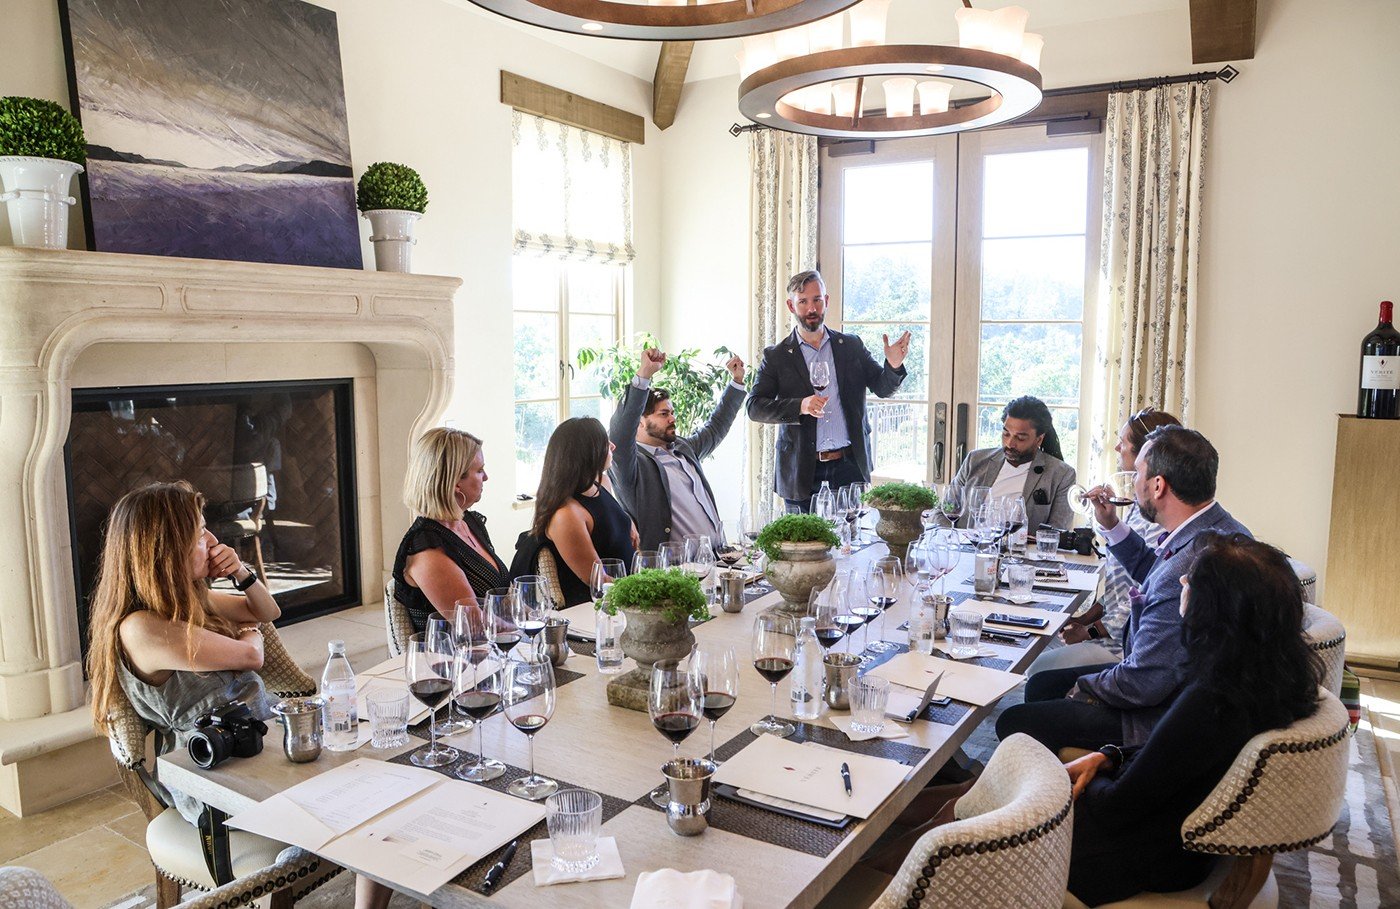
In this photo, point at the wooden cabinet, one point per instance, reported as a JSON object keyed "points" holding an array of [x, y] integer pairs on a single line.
{"points": [[1363, 570]]}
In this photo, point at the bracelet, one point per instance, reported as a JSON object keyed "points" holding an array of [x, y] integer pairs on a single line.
{"points": [[1114, 755], [244, 629]]}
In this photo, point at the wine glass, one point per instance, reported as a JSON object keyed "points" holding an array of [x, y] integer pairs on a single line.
{"points": [[644, 559], [824, 609], [883, 579], [428, 668], [846, 593], [950, 504], [820, 375], [749, 528], [716, 673], [476, 690], [675, 703], [605, 571], [532, 600], [502, 620], [465, 615], [845, 515], [528, 695], [944, 554], [774, 640], [700, 560], [672, 554], [858, 491], [916, 562]]}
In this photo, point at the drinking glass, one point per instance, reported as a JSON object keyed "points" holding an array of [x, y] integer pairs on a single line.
{"points": [[847, 593], [428, 668], [716, 672], [672, 554], [1047, 542], [478, 690], [644, 559], [1019, 577], [749, 528], [675, 703], [869, 697], [1122, 485], [964, 633], [824, 609], [858, 491], [605, 571], [917, 568], [974, 497], [774, 640], [502, 620], [858, 596], [466, 616], [845, 518], [388, 718], [950, 504], [1016, 525], [528, 695], [821, 376], [944, 554], [532, 599], [699, 559], [883, 580], [574, 817]]}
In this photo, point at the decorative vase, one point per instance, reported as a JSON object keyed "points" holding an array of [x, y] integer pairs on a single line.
{"points": [[35, 193], [801, 567], [899, 527], [649, 636], [391, 232]]}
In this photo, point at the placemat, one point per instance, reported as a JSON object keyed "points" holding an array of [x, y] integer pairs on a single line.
{"points": [[778, 829], [472, 877], [875, 659], [562, 677]]}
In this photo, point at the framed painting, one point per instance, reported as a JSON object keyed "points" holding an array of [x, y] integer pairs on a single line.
{"points": [[216, 129]]}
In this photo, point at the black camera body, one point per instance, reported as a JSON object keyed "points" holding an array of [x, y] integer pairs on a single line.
{"points": [[225, 732], [1078, 539]]}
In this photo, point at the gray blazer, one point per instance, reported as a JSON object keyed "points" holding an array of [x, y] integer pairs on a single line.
{"points": [[783, 382], [639, 482], [1046, 484]]}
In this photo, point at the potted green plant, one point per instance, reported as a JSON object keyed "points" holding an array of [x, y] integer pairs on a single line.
{"points": [[693, 382], [41, 149], [798, 547], [392, 198], [901, 507], [658, 604]]}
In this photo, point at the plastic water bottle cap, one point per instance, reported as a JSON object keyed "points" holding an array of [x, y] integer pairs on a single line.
{"points": [[335, 647]]}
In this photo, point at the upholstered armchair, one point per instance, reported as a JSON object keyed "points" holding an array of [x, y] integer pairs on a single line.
{"points": [[398, 627], [1327, 637], [549, 570]]}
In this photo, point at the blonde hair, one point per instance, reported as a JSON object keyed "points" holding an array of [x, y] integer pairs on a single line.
{"points": [[439, 459], [150, 536]]}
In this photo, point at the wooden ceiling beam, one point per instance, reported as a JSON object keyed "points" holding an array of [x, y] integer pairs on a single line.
{"points": [[1222, 30], [666, 85]]}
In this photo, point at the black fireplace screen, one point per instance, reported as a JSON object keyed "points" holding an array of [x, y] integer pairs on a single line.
{"points": [[275, 460]]}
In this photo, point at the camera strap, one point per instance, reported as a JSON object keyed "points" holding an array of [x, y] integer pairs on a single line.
{"points": [[213, 839]]}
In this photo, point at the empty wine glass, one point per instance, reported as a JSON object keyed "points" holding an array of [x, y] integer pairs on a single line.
{"points": [[675, 701], [883, 580], [428, 668], [716, 672], [528, 696], [749, 527], [672, 554], [644, 559], [699, 560], [605, 571], [477, 692], [774, 641], [916, 563], [973, 498]]}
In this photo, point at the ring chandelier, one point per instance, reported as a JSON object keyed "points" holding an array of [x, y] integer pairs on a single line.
{"points": [[666, 20]]}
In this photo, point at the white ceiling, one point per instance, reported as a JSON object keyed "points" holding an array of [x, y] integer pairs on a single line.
{"points": [[910, 22]]}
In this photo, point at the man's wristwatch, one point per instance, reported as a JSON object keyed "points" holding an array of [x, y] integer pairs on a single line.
{"points": [[247, 582], [1114, 755]]}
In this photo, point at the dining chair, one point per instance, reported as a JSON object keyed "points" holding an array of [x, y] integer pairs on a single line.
{"points": [[295, 873], [1284, 792], [1327, 637], [25, 888], [549, 570], [1307, 576], [174, 843], [398, 627]]}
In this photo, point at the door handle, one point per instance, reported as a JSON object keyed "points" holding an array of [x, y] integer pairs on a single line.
{"points": [[940, 432], [960, 449]]}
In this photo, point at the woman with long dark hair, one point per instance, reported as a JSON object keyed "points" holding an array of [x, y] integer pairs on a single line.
{"points": [[576, 516]]}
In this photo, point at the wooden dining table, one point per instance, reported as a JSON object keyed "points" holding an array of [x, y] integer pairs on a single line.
{"points": [[775, 861]]}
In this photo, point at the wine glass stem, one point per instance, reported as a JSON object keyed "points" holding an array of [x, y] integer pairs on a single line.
{"points": [[432, 730], [480, 742], [774, 686], [531, 739], [712, 740]]}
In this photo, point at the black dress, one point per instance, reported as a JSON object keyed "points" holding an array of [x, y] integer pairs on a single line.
{"points": [[482, 573], [611, 537]]}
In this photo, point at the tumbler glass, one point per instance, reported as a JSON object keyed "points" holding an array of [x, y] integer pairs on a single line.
{"points": [[574, 817]]}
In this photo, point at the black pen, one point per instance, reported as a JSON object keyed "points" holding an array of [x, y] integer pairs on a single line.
{"points": [[498, 870], [846, 776]]}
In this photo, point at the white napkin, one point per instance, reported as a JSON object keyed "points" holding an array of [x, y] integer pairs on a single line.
{"points": [[542, 855], [891, 730], [982, 651], [672, 889]]}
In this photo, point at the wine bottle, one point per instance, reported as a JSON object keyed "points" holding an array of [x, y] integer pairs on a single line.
{"points": [[1379, 395]]}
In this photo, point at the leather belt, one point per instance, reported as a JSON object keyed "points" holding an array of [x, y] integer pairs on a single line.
{"points": [[834, 454]]}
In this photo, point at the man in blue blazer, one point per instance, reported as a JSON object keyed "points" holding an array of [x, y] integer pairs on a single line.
{"points": [[1119, 703], [823, 433]]}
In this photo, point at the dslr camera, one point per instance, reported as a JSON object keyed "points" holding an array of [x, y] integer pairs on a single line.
{"points": [[1079, 539], [225, 732]]}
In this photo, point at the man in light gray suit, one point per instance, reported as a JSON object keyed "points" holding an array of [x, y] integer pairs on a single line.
{"points": [[1027, 464]]}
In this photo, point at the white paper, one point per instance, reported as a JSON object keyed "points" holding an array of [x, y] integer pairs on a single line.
{"points": [[812, 776], [964, 682], [392, 668], [345, 797], [583, 620], [789, 805], [891, 730]]}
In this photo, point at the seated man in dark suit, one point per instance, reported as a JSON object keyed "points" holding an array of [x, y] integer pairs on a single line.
{"points": [[1118, 704], [1028, 464]]}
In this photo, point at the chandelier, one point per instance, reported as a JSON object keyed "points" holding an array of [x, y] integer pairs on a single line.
{"points": [[666, 20], [815, 79]]}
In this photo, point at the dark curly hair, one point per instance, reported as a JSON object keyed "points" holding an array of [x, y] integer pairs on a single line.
{"points": [[1243, 630]]}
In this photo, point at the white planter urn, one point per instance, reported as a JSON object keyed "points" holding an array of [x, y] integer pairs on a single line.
{"points": [[35, 193], [391, 232]]}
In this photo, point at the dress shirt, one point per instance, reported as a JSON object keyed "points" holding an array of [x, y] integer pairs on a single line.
{"points": [[692, 509], [1119, 532], [1010, 481], [832, 432]]}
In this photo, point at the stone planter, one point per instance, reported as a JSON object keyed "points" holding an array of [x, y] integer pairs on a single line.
{"points": [[899, 527], [649, 637], [802, 567]]}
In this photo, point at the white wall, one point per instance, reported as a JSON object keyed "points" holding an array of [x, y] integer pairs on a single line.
{"points": [[1301, 232]]}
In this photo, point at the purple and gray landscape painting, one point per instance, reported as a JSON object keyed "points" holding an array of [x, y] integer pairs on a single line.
{"points": [[216, 129]]}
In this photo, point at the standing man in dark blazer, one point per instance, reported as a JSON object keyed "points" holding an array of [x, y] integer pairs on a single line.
{"points": [[820, 436]]}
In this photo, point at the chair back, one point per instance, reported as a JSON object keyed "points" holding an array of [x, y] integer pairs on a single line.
{"points": [[1009, 846], [549, 570], [1307, 577], [230, 489], [398, 627], [1283, 792], [25, 888], [1327, 636]]}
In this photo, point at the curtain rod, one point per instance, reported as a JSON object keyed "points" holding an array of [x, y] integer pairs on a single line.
{"points": [[1226, 75]]}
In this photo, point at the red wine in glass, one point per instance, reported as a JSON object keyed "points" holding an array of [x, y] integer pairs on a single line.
{"points": [[866, 614], [432, 692], [773, 669], [506, 640], [532, 627], [828, 637], [529, 723], [717, 704], [676, 726], [479, 704]]}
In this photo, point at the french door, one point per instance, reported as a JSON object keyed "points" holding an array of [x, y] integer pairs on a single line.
{"points": [[985, 247]]}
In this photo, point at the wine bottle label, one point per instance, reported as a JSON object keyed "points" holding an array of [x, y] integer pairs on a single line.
{"points": [[1380, 373]]}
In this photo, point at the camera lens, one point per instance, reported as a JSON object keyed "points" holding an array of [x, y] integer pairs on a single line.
{"points": [[209, 746]]}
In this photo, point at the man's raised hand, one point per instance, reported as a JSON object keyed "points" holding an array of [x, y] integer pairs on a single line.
{"points": [[652, 358], [736, 368]]}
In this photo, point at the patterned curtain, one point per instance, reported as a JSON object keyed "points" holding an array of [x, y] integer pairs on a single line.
{"points": [[1154, 169], [572, 192], [783, 225]]}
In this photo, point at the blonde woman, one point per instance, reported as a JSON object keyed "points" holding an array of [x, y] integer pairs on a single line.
{"points": [[158, 633], [446, 555]]}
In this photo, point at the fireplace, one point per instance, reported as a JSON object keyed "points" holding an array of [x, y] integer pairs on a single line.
{"points": [[274, 460]]}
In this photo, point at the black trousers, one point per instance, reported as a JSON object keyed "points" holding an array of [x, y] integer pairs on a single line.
{"points": [[838, 473], [1057, 723]]}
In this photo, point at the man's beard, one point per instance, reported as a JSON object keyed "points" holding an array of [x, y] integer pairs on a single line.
{"points": [[666, 434], [1016, 458], [1148, 510], [813, 322]]}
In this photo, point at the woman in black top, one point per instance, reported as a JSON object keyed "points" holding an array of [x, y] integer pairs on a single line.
{"points": [[576, 516], [445, 556]]}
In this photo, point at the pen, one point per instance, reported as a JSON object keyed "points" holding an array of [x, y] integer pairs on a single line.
{"points": [[498, 870], [846, 776]]}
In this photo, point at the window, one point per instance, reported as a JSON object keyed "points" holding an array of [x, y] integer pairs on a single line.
{"points": [[573, 229]]}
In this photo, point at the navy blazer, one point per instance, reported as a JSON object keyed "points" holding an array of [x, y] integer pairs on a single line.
{"points": [[782, 383], [1154, 667]]}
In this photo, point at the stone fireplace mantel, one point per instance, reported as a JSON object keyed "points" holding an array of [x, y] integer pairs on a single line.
{"points": [[55, 306]]}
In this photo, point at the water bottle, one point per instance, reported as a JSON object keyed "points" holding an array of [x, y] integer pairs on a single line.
{"points": [[984, 570], [807, 671], [825, 506], [342, 717], [922, 623]]}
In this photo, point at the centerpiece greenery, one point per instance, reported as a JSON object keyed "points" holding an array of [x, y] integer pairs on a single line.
{"points": [[693, 382], [674, 593], [905, 496], [36, 128], [795, 528], [397, 187]]}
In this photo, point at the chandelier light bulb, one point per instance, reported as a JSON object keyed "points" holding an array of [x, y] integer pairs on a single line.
{"points": [[868, 22], [899, 97], [844, 97], [1031, 46], [791, 42], [976, 30], [933, 97], [756, 52], [826, 34], [1009, 27]]}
